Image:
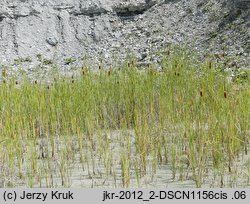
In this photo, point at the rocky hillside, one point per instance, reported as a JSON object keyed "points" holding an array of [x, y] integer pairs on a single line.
{"points": [[69, 31]]}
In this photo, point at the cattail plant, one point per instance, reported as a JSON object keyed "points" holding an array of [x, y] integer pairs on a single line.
{"points": [[121, 126], [225, 94]]}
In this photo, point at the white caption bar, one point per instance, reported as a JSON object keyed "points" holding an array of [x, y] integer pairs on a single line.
{"points": [[124, 195]]}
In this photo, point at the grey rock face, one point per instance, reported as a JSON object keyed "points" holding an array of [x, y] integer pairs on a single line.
{"points": [[108, 30]]}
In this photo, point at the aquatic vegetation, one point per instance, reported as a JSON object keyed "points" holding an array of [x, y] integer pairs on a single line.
{"points": [[123, 123]]}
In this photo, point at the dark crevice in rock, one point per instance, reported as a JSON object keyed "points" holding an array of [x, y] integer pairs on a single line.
{"points": [[126, 15], [14, 39], [60, 27], [90, 11], [91, 14], [129, 11]]}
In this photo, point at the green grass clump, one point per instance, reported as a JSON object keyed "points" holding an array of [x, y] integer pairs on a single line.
{"points": [[187, 115]]}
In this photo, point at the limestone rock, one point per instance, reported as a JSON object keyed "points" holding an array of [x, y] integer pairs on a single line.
{"points": [[107, 30]]}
